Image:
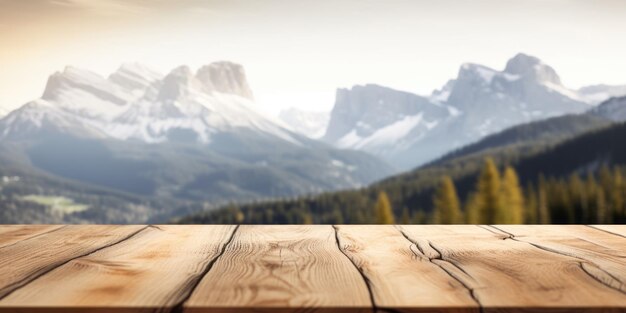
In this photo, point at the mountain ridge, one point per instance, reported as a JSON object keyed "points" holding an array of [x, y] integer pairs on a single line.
{"points": [[478, 102], [175, 136]]}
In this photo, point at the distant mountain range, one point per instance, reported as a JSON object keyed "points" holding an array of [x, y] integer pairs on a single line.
{"points": [[141, 146], [192, 136], [409, 130], [556, 147]]}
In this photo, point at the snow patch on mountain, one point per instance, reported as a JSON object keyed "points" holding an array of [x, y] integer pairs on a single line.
{"points": [[138, 103], [383, 136], [308, 123]]}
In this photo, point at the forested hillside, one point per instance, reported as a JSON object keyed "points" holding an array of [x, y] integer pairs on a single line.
{"points": [[536, 179]]}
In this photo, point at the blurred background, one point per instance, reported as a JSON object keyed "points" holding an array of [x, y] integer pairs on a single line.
{"points": [[248, 111]]}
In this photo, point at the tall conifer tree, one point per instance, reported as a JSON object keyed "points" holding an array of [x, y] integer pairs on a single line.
{"points": [[513, 198], [489, 195], [384, 212], [543, 212], [473, 209], [618, 195], [446, 203]]}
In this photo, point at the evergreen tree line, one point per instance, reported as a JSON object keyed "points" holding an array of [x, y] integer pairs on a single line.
{"points": [[498, 197]]}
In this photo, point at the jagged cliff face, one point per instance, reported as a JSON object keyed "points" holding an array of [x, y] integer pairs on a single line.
{"points": [[225, 77], [138, 103], [409, 130], [193, 135]]}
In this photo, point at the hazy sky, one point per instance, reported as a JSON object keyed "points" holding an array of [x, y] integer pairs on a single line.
{"points": [[296, 53]]}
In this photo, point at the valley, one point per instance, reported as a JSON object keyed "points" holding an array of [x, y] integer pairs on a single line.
{"points": [[140, 146]]}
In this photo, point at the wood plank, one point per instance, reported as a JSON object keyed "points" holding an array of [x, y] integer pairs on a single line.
{"points": [[10, 234], [604, 254], [618, 230], [156, 269], [24, 261], [400, 277], [505, 275], [282, 269]]}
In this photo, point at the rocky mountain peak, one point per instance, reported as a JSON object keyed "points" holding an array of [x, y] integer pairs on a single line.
{"points": [[532, 67], [73, 78], [178, 83], [225, 77], [135, 76]]}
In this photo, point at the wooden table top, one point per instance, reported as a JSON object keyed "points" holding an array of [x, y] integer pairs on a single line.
{"points": [[322, 268]]}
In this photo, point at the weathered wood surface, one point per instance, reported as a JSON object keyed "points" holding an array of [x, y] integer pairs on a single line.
{"points": [[172, 256], [324, 268], [11, 234]]}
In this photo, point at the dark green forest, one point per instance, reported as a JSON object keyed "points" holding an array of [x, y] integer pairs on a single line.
{"points": [[576, 178]]}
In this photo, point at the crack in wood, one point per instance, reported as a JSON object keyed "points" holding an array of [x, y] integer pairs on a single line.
{"points": [[501, 233], [368, 283], [193, 284], [608, 280], [35, 236], [155, 227], [440, 257], [19, 284], [606, 231], [451, 262]]}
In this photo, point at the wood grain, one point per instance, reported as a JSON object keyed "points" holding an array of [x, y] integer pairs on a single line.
{"points": [[25, 260], [357, 268], [281, 269], [602, 255], [10, 234], [400, 276], [505, 275], [171, 258]]}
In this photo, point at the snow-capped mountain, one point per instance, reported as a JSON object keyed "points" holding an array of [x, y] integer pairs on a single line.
{"points": [[613, 109], [199, 105], [409, 130], [138, 103], [41, 118], [4, 111], [309, 123], [184, 134], [381, 120]]}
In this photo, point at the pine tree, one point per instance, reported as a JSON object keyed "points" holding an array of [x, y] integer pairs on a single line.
{"points": [[513, 198], [419, 217], [447, 209], [618, 196], [543, 212], [384, 213], [561, 210], [491, 209], [239, 217], [578, 196], [531, 205], [601, 208], [406, 217], [307, 219], [472, 209], [269, 216], [337, 217], [606, 183], [595, 200]]}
